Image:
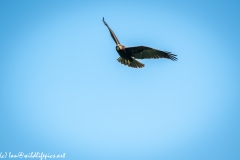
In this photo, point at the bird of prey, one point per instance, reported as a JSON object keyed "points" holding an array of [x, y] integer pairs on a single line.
{"points": [[128, 55]]}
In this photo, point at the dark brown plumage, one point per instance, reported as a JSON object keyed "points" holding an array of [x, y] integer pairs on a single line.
{"points": [[128, 55]]}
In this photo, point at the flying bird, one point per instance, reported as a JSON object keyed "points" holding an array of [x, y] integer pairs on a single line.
{"points": [[128, 55]]}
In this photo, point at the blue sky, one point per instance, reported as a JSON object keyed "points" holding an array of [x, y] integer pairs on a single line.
{"points": [[63, 91]]}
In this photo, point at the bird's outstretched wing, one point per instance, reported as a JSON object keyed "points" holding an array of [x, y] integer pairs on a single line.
{"points": [[114, 37], [142, 52]]}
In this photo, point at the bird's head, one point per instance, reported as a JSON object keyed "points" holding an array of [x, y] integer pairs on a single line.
{"points": [[120, 47]]}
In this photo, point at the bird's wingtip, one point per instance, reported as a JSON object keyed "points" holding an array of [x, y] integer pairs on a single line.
{"points": [[103, 19]]}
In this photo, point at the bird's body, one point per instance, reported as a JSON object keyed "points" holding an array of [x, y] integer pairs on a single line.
{"points": [[128, 55], [122, 52]]}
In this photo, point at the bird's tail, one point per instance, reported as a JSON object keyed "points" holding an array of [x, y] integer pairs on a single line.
{"points": [[134, 63]]}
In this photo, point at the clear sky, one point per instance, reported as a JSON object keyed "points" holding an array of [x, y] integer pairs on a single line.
{"points": [[63, 91]]}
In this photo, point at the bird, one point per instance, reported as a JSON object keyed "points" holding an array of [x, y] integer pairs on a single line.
{"points": [[128, 55]]}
